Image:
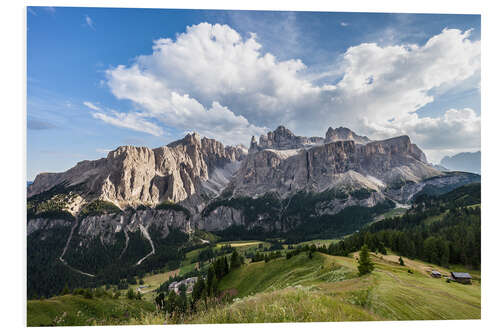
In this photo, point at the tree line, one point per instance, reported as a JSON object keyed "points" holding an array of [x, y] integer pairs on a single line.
{"points": [[453, 238]]}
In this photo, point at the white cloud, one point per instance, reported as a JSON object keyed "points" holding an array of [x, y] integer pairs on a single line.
{"points": [[214, 81], [89, 22], [344, 24], [133, 121], [92, 106]]}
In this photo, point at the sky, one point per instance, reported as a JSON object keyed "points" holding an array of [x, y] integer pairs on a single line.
{"points": [[99, 78]]}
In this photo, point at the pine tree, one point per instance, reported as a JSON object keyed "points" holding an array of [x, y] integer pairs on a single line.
{"points": [[65, 290], [198, 289], [211, 281], [130, 294], [170, 303], [365, 265], [235, 260], [226, 266]]}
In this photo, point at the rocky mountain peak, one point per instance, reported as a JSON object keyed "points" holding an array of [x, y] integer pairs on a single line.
{"points": [[190, 139], [139, 175], [254, 146], [343, 134], [282, 139]]}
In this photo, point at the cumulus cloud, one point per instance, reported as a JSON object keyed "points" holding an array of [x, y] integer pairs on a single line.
{"points": [[212, 80], [133, 121], [92, 106]]}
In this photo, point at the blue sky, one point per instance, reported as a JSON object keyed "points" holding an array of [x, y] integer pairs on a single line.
{"points": [[94, 82]]}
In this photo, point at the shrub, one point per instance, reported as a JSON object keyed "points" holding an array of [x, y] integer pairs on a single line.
{"points": [[88, 293]]}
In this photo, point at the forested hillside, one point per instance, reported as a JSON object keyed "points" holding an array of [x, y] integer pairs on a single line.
{"points": [[442, 230]]}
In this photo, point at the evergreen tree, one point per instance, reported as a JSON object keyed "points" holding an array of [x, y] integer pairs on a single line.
{"points": [[235, 260], [211, 281], [198, 288], [365, 265], [226, 266], [170, 303], [65, 290]]}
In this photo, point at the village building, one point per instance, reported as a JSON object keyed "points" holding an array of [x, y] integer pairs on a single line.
{"points": [[189, 283], [464, 278]]}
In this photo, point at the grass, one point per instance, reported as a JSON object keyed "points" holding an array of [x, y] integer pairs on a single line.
{"points": [[281, 273], [153, 282], [399, 211], [434, 218], [320, 242], [299, 289], [242, 244], [75, 310], [388, 293]]}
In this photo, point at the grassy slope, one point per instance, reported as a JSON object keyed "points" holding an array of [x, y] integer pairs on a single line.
{"points": [[280, 273], [324, 288], [78, 311], [389, 293]]}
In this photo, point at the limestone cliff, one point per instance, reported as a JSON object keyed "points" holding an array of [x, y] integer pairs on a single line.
{"points": [[130, 176]]}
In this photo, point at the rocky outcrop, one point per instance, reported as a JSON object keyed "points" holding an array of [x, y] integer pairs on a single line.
{"points": [[109, 225], [130, 176], [37, 224], [338, 163], [221, 218], [344, 134], [283, 139]]}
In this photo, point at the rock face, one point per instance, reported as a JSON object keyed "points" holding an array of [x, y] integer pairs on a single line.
{"points": [[128, 203], [139, 175], [283, 139], [344, 134], [375, 165]]}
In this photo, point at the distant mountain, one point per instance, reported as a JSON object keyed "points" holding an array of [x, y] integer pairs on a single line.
{"points": [[469, 162], [439, 167]]}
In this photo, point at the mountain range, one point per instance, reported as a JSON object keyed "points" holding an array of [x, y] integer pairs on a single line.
{"points": [[469, 162], [131, 208]]}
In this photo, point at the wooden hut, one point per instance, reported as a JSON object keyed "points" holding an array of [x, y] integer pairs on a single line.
{"points": [[464, 278]]}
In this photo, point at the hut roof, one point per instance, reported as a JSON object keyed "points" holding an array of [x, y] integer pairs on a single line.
{"points": [[461, 275]]}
